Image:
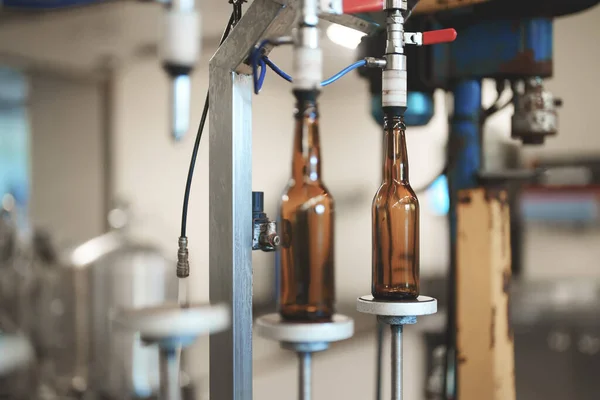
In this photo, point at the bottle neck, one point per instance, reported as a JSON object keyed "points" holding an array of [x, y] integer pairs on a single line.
{"points": [[306, 160], [395, 164]]}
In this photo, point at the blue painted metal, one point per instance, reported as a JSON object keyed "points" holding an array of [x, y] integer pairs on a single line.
{"points": [[439, 198], [497, 49], [465, 142], [420, 109], [418, 113]]}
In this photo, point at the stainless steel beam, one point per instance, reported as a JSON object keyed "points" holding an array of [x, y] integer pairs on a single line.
{"points": [[230, 208], [230, 222], [230, 187]]}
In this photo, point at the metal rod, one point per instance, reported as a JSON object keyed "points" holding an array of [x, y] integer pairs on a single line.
{"points": [[169, 375], [379, 366], [304, 376], [396, 362]]}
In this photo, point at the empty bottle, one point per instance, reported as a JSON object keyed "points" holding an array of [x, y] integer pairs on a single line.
{"points": [[395, 218], [306, 221]]}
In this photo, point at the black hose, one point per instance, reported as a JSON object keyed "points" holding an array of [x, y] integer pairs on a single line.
{"points": [[235, 15]]}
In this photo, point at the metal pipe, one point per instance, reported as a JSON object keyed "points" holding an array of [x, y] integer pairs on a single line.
{"points": [[169, 375], [396, 362], [304, 376], [379, 366]]}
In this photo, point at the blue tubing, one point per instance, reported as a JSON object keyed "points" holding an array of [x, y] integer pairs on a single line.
{"points": [[258, 62]]}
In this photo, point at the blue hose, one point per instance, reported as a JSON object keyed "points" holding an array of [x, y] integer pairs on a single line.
{"points": [[276, 69], [343, 72], [257, 61]]}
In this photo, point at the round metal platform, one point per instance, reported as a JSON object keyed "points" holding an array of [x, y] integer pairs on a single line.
{"points": [[422, 305], [169, 321], [272, 327]]}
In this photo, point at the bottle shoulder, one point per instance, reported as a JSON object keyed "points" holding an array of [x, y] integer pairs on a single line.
{"points": [[307, 194], [395, 192]]}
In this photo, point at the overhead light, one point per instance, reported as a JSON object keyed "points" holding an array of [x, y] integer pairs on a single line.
{"points": [[344, 36]]}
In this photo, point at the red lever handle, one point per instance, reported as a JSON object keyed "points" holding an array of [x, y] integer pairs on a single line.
{"points": [[439, 36], [361, 6]]}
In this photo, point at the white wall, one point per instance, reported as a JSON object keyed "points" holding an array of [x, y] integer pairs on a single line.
{"points": [[67, 166]]}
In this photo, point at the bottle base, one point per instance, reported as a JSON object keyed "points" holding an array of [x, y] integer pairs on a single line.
{"points": [[306, 315], [395, 293]]}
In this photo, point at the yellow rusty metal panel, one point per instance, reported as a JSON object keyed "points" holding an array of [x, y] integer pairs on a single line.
{"points": [[432, 6], [484, 339]]}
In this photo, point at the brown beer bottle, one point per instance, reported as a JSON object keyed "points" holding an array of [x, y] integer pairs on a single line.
{"points": [[395, 218], [306, 222]]}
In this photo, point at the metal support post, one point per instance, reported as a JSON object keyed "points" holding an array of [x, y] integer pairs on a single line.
{"points": [[230, 218], [170, 389], [230, 187], [396, 362], [397, 314], [304, 376], [379, 359]]}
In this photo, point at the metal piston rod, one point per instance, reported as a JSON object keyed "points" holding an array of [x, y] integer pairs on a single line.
{"points": [[396, 362], [304, 376]]}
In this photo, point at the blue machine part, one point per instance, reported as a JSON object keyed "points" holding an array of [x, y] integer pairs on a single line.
{"points": [[464, 142], [420, 109], [581, 209], [418, 113], [439, 198], [503, 48]]}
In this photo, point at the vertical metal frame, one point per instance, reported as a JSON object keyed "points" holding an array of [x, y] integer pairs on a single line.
{"points": [[230, 187]]}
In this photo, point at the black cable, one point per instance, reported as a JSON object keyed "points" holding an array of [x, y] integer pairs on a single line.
{"points": [[235, 15]]}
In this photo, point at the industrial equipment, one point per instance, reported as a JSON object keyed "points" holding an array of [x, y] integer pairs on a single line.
{"points": [[267, 24], [507, 41], [180, 49], [114, 282], [62, 302]]}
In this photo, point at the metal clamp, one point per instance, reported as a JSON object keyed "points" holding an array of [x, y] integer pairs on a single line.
{"points": [[264, 231]]}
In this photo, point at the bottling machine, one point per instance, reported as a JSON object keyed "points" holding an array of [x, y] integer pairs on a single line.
{"points": [[148, 327]]}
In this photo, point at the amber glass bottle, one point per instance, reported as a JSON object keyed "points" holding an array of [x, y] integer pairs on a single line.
{"points": [[306, 220], [395, 217]]}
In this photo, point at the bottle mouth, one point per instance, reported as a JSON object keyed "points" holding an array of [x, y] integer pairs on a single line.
{"points": [[306, 101]]}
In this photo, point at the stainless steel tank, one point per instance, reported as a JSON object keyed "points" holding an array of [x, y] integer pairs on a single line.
{"points": [[82, 353]]}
